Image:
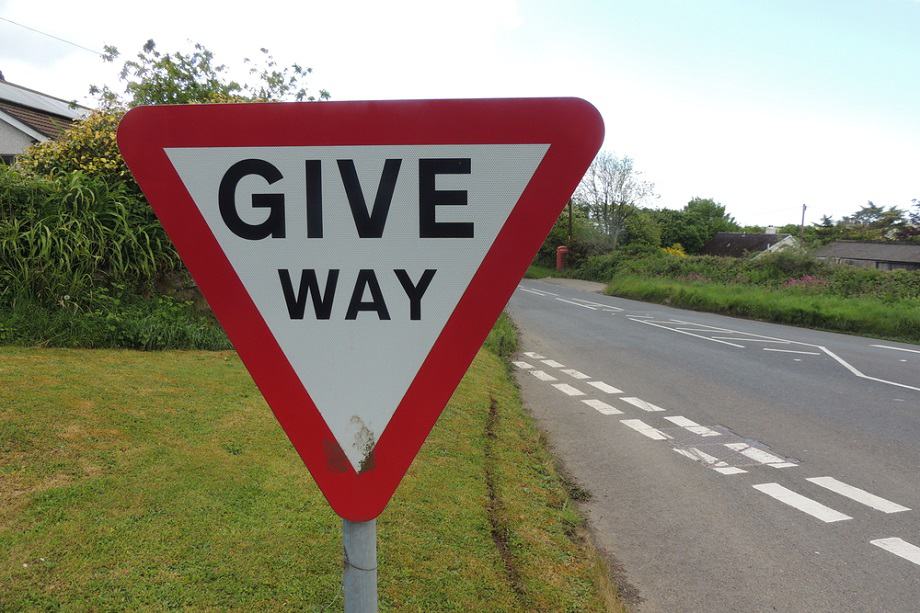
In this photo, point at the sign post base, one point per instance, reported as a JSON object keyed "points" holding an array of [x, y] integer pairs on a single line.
{"points": [[359, 541]]}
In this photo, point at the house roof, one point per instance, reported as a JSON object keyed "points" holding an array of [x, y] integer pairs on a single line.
{"points": [[31, 99], [738, 244], [38, 112], [875, 251], [45, 123]]}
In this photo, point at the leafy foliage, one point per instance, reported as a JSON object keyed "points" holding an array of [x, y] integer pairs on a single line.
{"points": [[87, 146], [63, 238], [195, 77]]}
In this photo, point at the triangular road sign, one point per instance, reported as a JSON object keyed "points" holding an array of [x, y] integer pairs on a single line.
{"points": [[357, 253]]}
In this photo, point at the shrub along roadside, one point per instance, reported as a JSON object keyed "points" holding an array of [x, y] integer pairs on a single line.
{"points": [[897, 320]]}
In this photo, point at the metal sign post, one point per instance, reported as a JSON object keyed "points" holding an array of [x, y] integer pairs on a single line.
{"points": [[359, 544]]}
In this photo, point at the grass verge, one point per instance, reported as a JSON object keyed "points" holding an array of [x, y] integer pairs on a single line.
{"points": [[897, 320], [537, 271], [134, 480]]}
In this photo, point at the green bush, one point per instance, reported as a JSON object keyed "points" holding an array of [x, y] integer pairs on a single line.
{"points": [[64, 237]]}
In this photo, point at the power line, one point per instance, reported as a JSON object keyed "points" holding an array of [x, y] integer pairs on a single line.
{"points": [[58, 38]]}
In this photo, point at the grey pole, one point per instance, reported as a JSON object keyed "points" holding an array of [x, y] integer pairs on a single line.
{"points": [[359, 540]]}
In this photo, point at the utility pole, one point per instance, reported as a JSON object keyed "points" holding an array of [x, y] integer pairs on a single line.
{"points": [[802, 225]]}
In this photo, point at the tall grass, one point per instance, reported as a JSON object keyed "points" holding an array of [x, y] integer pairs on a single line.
{"points": [[898, 320], [63, 237]]}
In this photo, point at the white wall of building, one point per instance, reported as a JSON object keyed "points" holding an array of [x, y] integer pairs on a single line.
{"points": [[12, 140]]}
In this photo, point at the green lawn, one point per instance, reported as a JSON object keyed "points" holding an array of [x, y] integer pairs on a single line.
{"points": [[132, 480]]}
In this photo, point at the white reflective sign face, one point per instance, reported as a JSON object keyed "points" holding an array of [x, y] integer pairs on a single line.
{"points": [[356, 256]]}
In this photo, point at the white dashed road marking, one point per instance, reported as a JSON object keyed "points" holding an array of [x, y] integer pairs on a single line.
{"points": [[642, 404], [644, 429], [860, 496], [899, 547], [607, 389], [534, 355], [522, 365], [602, 407], [568, 390], [553, 363], [759, 455], [710, 461], [692, 426], [802, 503], [728, 470], [542, 376], [576, 374]]}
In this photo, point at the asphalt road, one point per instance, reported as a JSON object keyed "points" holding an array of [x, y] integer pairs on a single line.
{"points": [[733, 465]]}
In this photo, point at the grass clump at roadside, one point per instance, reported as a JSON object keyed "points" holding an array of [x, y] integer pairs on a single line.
{"points": [[898, 320], [134, 480], [538, 271]]}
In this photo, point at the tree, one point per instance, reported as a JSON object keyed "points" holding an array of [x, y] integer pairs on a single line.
{"points": [[642, 229], [610, 190], [695, 224], [89, 146], [876, 217], [194, 77]]}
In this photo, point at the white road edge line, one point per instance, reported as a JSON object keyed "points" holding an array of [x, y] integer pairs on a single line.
{"points": [[895, 348], [861, 496], [791, 351], [598, 304], [644, 429], [706, 338], [802, 503], [532, 291], [584, 306], [900, 548], [602, 407], [836, 357], [553, 364], [642, 404], [568, 390], [692, 426], [522, 365], [607, 389], [576, 374], [542, 376], [750, 340], [534, 355]]}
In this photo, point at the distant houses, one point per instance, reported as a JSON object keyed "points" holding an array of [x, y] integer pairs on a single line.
{"points": [[28, 117], [872, 254], [742, 244]]}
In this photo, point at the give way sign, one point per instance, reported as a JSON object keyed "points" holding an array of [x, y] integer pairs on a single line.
{"points": [[357, 253]]}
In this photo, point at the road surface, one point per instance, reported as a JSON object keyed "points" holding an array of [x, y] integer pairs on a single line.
{"points": [[733, 465]]}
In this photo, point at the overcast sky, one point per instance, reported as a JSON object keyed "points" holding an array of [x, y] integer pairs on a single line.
{"points": [[760, 104]]}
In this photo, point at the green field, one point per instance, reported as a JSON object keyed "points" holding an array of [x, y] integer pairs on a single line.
{"points": [[133, 480]]}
